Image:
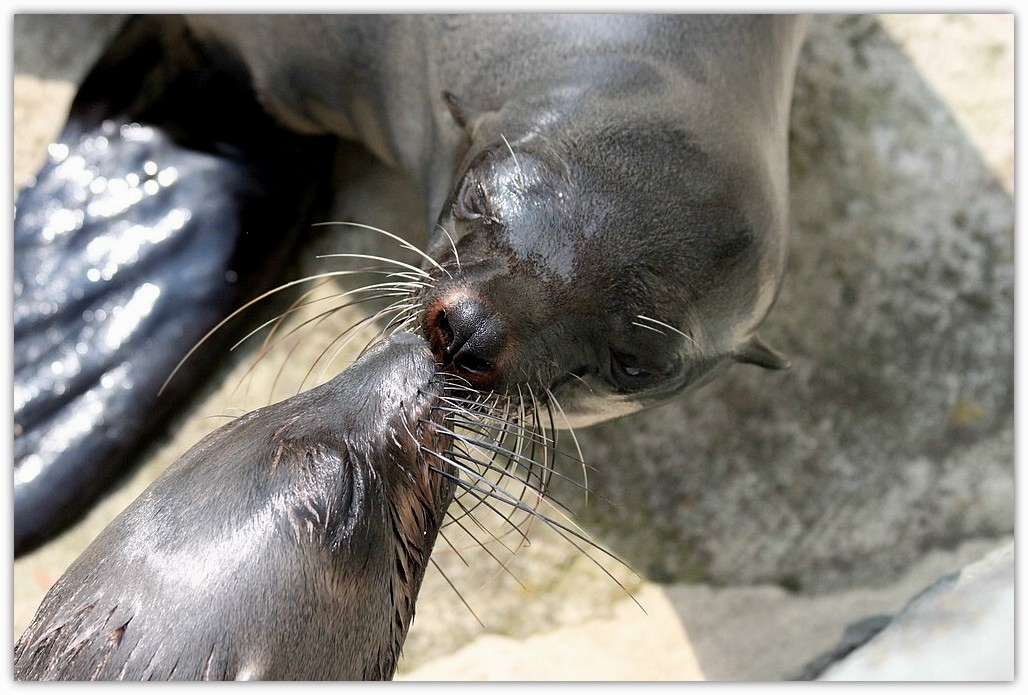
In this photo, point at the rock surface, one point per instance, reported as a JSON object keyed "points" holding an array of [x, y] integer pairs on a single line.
{"points": [[960, 628]]}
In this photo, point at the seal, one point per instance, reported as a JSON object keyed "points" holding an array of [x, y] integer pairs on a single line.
{"points": [[289, 544], [607, 202]]}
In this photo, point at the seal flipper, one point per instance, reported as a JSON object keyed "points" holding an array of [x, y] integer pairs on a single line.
{"points": [[129, 246]]}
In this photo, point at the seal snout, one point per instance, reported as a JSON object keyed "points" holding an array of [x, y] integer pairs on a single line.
{"points": [[466, 335]]}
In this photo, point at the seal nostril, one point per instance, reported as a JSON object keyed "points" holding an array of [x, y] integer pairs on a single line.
{"points": [[445, 333], [467, 337], [472, 364]]}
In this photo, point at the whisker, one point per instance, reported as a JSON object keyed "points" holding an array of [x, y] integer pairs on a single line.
{"points": [[456, 591], [403, 242], [570, 533], [453, 246], [485, 497], [578, 449], [482, 497], [543, 472], [371, 257], [662, 324], [486, 421], [248, 305], [322, 316], [298, 306], [517, 164], [341, 341]]}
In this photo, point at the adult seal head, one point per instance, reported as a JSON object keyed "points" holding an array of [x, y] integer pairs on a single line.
{"points": [[607, 202], [290, 544], [617, 229]]}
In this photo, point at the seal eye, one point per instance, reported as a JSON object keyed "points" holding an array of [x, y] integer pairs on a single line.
{"points": [[626, 368], [471, 203]]}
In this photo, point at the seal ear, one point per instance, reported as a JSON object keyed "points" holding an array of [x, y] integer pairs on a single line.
{"points": [[756, 351], [468, 118]]}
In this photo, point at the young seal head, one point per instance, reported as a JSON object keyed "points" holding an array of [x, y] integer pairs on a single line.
{"points": [[289, 544]]}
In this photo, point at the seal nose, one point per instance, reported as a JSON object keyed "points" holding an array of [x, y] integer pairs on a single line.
{"points": [[467, 336]]}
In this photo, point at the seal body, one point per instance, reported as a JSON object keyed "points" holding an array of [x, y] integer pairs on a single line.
{"points": [[289, 544], [607, 198]]}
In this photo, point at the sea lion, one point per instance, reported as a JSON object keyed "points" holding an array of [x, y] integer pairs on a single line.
{"points": [[607, 201], [289, 544]]}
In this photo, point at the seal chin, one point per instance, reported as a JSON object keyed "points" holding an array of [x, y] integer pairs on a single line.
{"points": [[594, 408], [587, 400]]}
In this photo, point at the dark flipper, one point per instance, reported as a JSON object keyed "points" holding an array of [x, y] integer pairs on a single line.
{"points": [[169, 199]]}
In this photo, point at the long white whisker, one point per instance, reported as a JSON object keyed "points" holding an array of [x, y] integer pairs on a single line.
{"points": [[453, 245], [403, 242], [517, 164], [250, 304], [574, 439], [382, 259], [663, 325]]}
